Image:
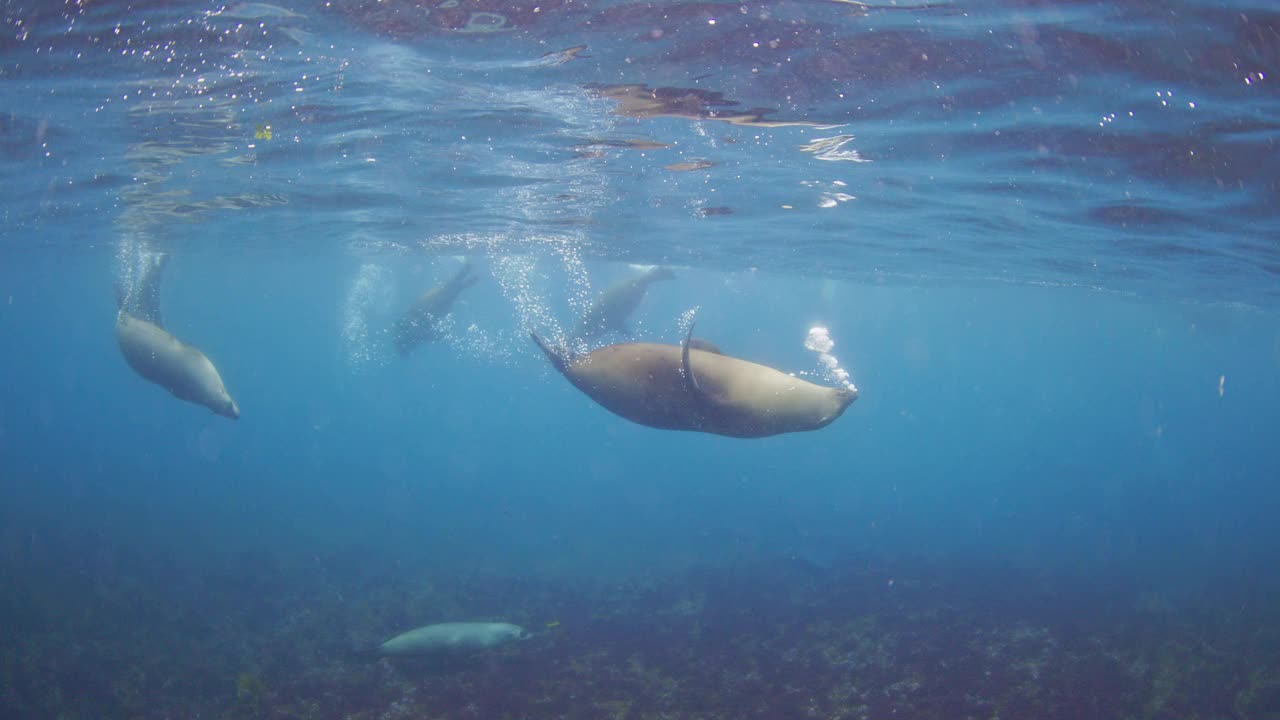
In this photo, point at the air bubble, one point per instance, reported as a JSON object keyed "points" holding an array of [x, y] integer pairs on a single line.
{"points": [[819, 341]]}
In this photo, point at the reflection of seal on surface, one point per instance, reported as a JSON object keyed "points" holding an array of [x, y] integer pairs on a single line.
{"points": [[452, 637], [162, 358], [682, 387], [610, 311], [642, 101], [419, 322]]}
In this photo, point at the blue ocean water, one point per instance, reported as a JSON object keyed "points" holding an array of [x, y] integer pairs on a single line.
{"points": [[1041, 235]]}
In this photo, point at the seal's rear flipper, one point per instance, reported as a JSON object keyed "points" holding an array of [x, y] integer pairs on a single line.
{"points": [[661, 272], [558, 358], [690, 381], [144, 301]]}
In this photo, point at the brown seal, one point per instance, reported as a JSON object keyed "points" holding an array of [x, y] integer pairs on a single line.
{"points": [[682, 387]]}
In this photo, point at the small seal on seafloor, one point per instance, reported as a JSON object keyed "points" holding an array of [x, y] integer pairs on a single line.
{"points": [[682, 387], [419, 323], [160, 357], [452, 637], [610, 311]]}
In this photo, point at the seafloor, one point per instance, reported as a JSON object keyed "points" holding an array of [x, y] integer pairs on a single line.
{"points": [[146, 638]]}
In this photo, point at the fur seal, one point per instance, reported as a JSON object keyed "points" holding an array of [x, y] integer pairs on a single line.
{"points": [[610, 311], [682, 387], [419, 322], [160, 357], [452, 637]]}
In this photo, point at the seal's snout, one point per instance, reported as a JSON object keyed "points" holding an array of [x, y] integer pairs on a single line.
{"points": [[845, 396], [231, 410]]}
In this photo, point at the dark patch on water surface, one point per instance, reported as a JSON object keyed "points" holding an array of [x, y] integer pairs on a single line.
{"points": [[24, 138], [1168, 250], [1239, 127], [1197, 156], [642, 101], [1259, 33], [1067, 266], [408, 19], [1133, 215]]}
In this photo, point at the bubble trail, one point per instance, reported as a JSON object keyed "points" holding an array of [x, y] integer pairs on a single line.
{"points": [[369, 293], [821, 343]]}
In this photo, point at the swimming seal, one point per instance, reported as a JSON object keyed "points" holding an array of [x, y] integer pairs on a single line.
{"points": [[681, 387], [610, 311], [452, 637], [161, 358], [420, 323]]}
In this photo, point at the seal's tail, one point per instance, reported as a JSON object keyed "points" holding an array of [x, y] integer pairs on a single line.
{"points": [[558, 358], [364, 654]]}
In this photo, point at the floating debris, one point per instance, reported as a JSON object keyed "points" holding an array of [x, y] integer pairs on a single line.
{"points": [[690, 165], [832, 149]]}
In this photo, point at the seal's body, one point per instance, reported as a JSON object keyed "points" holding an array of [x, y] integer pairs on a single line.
{"points": [[419, 323], [681, 387], [173, 365], [452, 637], [161, 358]]}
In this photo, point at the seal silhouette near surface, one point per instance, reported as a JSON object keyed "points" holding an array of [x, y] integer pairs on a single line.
{"points": [[683, 387], [420, 323], [610, 311]]}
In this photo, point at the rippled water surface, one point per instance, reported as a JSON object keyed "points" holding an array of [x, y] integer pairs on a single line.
{"points": [[1125, 145]]}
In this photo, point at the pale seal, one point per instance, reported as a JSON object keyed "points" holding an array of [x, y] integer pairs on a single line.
{"points": [[160, 357], [682, 387], [452, 637]]}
